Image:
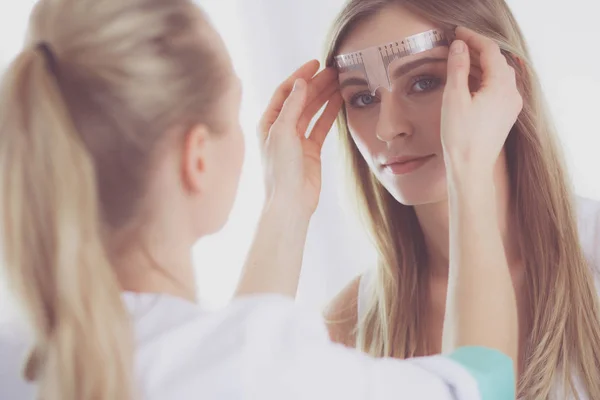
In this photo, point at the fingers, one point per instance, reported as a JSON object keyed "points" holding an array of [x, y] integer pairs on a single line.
{"points": [[498, 79], [493, 63], [326, 120], [459, 67], [322, 81], [292, 107], [320, 90], [305, 72]]}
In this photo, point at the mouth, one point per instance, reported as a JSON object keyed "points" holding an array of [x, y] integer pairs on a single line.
{"points": [[405, 165]]}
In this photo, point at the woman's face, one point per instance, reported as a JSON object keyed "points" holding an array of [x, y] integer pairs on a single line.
{"points": [[398, 132]]}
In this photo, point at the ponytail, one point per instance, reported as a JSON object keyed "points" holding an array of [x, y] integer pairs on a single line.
{"points": [[80, 125], [53, 245]]}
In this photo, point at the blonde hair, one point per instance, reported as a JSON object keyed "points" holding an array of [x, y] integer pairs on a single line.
{"points": [[84, 110], [565, 333]]}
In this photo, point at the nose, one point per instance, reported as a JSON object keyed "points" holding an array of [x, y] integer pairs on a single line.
{"points": [[392, 122]]}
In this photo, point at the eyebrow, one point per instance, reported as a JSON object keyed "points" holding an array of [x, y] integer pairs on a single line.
{"points": [[400, 71], [409, 66]]}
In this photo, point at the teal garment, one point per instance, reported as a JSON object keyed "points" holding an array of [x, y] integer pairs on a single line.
{"points": [[493, 371]]}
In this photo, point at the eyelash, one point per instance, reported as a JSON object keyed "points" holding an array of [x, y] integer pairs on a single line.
{"points": [[357, 96], [436, 82]]}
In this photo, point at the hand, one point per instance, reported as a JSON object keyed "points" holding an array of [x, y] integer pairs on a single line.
{"points": [[474, 129], [475, 126], [293, 159]]}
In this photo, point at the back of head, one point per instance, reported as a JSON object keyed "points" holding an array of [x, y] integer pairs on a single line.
{"points": [[558, 276], [84, 110]]}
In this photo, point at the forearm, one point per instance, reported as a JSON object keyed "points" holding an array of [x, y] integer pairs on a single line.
{"points": [[481, 300], [275, 258]]}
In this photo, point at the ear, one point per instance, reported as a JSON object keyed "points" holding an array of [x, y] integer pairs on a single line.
{"points": [[196, 150]]}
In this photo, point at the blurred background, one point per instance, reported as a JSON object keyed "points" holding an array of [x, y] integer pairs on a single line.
{"points": [[269, 39]]}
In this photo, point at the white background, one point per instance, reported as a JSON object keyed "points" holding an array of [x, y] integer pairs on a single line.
{"points": [[268, 39]]}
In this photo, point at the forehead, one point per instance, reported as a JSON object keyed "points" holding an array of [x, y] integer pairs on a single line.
{"points": [[388, 25]]}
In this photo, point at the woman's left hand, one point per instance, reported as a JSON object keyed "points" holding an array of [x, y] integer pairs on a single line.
{"points": [[475, 125], [481, 305]]}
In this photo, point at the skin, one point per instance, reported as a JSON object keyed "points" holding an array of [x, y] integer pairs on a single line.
{"points": [[406, 122]]}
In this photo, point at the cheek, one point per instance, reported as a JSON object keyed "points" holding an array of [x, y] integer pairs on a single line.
{"points": [[363, 129], [366, 146], [231, 157], [240, 146], [427, 121], [231, 161]]}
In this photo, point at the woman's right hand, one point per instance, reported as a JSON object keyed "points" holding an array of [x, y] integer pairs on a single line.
{"points": [[293, 159], [293, 178]]}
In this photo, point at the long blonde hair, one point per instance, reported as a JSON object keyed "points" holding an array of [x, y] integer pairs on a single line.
{"points": [[83, 112], [565, 333]]}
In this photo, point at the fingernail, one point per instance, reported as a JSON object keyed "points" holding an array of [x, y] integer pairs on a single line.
{"points": [[458, 47]]}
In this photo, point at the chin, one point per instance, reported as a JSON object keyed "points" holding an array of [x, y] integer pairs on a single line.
{"points": [[218, 222], [213, 221], [426, 185], [419, 194], [416, 200]]}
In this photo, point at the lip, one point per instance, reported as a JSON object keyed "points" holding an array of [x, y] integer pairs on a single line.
{"points": [[406, 164]]}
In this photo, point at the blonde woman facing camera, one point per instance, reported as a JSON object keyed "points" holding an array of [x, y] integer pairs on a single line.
{"points": [[398, 162]]}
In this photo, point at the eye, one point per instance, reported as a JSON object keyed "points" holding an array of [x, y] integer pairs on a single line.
{"points": [[421, 85], [362, 100]]}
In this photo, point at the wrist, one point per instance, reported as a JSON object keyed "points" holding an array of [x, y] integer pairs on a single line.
{"points": [[465, 175], [471, 191], [275, 258], [287, 207], [468, 163], [286, 212]]}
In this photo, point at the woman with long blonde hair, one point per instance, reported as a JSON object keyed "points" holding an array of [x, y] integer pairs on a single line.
{"points": [[397, 167], [120, 147]]}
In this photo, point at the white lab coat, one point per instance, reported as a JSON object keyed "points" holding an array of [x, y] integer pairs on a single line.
{"points": [[263, 347]]}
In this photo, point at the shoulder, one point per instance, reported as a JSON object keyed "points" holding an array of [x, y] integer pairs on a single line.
{"points": [[186, 352], [184, 326], [341, 314]]}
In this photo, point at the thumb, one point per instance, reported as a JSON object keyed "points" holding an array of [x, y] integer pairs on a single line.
{"points": [[294, 105], [459, 66]]}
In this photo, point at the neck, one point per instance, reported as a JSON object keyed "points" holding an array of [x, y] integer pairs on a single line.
{"points": [[158, 265], [434, 222]]}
